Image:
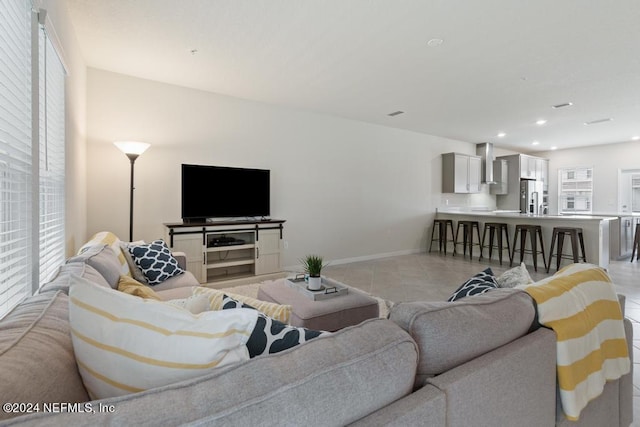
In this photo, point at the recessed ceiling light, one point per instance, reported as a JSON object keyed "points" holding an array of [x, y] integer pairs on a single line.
{"points": [[566, 104], [434, 42], [535, 143], [502, 135], [635, 138], [593, 122], [541, 122], [554, 148], [395, 113]]}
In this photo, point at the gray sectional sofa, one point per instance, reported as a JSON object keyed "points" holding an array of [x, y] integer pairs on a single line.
{"points": [[481, 361]]}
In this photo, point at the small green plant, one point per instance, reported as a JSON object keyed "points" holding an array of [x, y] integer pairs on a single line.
{"points": [[312, 265]]}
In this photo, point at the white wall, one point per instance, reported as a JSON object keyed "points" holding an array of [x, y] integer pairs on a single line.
{"points": [[606, 160], [347, 189], [75, 93]]}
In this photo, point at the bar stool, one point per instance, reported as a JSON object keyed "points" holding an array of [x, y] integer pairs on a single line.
{"points": [[559, 232], [534, 231], [499, 228], [636, 244], [442, 234], [467, 237]]}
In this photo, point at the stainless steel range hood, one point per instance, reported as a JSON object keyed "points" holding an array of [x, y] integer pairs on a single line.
{"points": [[485, 150]]}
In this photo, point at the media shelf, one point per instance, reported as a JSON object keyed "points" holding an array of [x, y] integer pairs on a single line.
{"points": [[227, 250]]}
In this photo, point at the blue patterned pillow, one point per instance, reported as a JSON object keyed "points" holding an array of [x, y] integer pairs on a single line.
{"points": [[155, 261], [270, 335], [478, 284]]}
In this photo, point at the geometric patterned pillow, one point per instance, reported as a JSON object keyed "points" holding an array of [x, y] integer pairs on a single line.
{"points": [[478, 284], [155, 261], [270, 335]]}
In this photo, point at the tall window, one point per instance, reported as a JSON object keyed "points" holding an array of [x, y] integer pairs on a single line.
{"points": [[575, 190], [51, 159], [31, 155], [15, 153]]}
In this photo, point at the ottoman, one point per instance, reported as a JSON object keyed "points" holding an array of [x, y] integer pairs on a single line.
{"points": [[325, 315]]}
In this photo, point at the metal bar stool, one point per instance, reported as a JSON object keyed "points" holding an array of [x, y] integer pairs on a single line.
{"points": [[576, 234], [535, 231], [636, 244], [442, 234], [498, 228], [467, 237]]}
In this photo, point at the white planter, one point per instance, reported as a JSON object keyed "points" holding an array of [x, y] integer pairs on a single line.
{"points": [[315, 283]]}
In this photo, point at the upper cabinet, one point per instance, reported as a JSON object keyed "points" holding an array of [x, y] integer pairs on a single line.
{"points": [[461, 173]]}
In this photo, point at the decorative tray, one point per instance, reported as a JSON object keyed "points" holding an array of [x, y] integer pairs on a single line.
{"points": [[330, 288]]}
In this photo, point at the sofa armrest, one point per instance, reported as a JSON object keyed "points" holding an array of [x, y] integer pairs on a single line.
{"points": [[181, 257], [514, 382]]}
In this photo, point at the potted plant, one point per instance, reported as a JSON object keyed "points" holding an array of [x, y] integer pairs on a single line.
{"points": [[312, 265]]}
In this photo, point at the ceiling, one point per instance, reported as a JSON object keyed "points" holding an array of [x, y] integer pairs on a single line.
{"points": [[501, 66]]}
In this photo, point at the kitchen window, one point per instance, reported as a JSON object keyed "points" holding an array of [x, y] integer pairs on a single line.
{"points": [[575, 190]]}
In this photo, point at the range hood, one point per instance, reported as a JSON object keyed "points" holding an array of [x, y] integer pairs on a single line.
{"points": [[485, 150]]}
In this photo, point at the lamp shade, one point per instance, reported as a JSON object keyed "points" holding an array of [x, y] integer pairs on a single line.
{"points": [[132, 147]]}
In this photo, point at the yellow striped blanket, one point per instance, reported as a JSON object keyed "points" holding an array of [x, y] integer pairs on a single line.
{"points": [[580, 304]]}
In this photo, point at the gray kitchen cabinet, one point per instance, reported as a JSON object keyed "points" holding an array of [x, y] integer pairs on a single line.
{"points": [[461, 173]]}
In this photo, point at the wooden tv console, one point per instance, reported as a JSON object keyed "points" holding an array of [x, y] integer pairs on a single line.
{"points": [[224, 250]]}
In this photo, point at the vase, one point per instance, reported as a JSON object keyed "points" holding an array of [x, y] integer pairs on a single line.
{"points": [[315, 283]]}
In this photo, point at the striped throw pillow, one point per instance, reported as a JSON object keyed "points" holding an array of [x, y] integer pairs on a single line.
{"points": [[125, 344], [280, 312]]}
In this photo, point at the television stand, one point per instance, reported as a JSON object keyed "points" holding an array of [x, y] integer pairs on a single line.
{"points": [[228, 249]]}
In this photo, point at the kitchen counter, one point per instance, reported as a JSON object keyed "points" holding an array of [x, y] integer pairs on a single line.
{"points": [[595, 230]]}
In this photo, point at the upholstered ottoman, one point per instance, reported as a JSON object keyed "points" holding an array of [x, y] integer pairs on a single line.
{"points": [[325, 315]]}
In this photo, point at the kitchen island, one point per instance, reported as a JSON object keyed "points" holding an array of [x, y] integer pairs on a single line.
{"points": [[595, 230]]}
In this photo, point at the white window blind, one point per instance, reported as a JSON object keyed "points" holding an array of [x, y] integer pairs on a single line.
{"points": [[51, 159], [575, 192], [15, 153]]}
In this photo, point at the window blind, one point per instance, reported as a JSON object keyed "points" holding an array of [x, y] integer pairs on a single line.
{"points": [[51, 160], [15, 153]]}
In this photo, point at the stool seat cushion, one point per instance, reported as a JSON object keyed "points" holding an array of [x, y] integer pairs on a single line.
{"points": [[325, 315]]}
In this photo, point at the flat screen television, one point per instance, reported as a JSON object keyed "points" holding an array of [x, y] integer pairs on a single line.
{"points": [[224, 192]]}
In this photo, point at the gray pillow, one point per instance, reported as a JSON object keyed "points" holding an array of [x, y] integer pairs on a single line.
{"points": [[514, 277], [103, 259]]}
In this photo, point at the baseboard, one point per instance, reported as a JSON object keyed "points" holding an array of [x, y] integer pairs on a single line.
{"points": [[298, 268]]}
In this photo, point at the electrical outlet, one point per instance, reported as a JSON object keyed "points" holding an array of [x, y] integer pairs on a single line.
{"points": [[286, 244]]}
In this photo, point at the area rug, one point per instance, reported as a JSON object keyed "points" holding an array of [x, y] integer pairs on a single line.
{"points": [[251, 290]]}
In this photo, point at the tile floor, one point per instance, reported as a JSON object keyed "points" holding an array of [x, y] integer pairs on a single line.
{"points": [[434, 276]]}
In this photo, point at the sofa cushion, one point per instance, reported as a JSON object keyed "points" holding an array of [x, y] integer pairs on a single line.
{"points": [[332, 380], [184, 280], [62, 279], [450, 334], [37, 363], [280, 312], [103, 260], [478, 284], [108, 238], [155, 261], [126, 344]]}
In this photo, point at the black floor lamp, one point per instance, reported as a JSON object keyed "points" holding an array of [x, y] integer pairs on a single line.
{"points": [[132, 149]]}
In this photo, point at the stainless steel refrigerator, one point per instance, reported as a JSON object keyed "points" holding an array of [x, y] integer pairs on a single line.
{"points": [[531, 197]]}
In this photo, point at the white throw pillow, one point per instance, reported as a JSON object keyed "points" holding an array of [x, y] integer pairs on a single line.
{"points": [[514, 277], [125, 344]]}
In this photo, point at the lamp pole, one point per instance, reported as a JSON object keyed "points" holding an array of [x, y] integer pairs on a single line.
{"points": [[132, 157], [132, 149]]}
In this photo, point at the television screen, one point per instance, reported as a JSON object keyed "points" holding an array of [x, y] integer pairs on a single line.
{"points": [[223, 192]]}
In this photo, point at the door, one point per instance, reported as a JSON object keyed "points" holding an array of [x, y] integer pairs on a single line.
{"points": [[475, 172], [461, 170], [268, 252]]}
